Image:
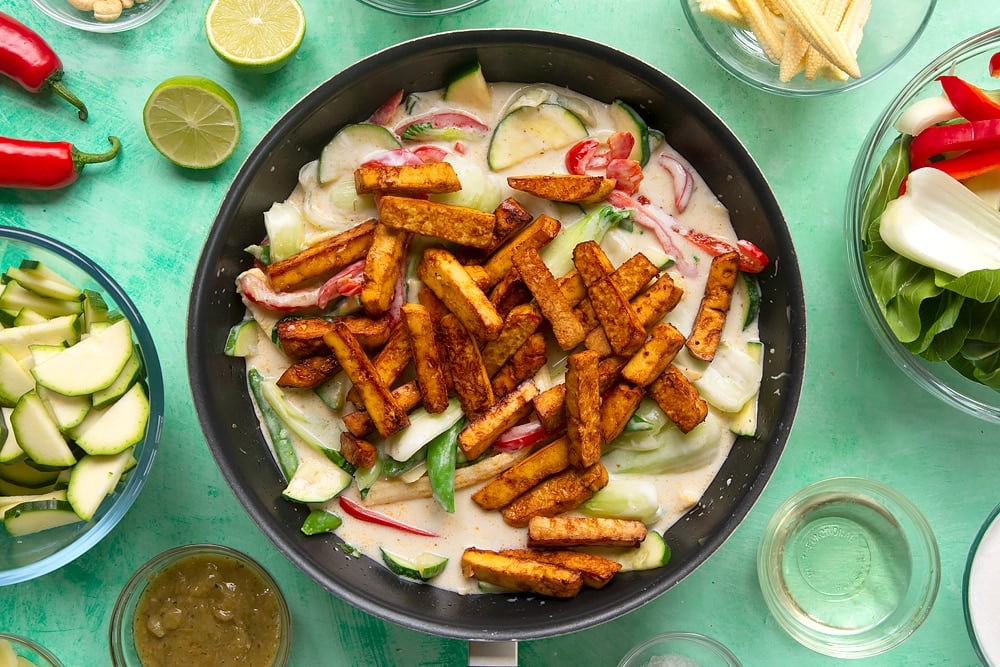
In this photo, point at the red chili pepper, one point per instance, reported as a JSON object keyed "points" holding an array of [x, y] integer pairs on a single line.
{"points": [[361, 512], [26, 58], [45, 165], [969, 100], [940, 139]]}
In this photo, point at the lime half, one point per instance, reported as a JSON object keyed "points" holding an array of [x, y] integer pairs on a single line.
{"points": [[259, 35], [192, 121]]}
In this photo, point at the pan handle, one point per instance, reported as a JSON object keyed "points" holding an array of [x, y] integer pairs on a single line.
{"points": [[492, 654]]}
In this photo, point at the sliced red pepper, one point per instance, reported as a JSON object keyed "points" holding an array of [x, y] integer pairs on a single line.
{"points": [[752, 258], [384, 113], [359, 511], [444, 125], [995, 65], [621, 144], [969, 164], [396, 157], [627, 174], [520, 436], [969, 100], [254, 286], [940, 139], [429, 153], [579, 155]]}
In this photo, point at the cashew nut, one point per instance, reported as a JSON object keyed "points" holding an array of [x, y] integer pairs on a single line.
{"points": [[128, 4], [107, 10], [82, 5]]}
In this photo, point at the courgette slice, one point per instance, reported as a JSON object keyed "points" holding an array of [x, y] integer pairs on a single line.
{"points": [[92, 479], [733, 377], [349, 148], [28, 316], [21, 473], [95, 308], [38, 515], [63, 329], [651, 554], [90, 365], [15, 381], [242, 339], [129, 376], [9, 449], [38, 434], [530, 131], [316, 480], [627, 119], [469, 88], [424, 567], [6, 502], [116, 427], [43, 281], [744, 422], [15, 297], [68, 411]]}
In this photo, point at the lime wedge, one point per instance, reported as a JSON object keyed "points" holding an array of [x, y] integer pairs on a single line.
{"points": [[192, 121], [259, 35]]}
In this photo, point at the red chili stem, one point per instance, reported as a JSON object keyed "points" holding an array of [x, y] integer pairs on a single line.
{"points": [[371, 516], [46, 165]]}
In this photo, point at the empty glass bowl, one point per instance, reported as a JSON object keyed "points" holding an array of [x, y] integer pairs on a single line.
{"points": [[680, 649], [131, 17]]}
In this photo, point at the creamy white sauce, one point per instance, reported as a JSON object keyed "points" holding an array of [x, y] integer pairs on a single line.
{"points": [[334, 207], [984, 593]]}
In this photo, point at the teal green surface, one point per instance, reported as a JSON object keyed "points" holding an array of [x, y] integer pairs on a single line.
{"points": [[145, 222]]}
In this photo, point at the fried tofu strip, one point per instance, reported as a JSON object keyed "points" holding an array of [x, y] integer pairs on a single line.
{"points": [[360, 424], [468, 375], [357, 451], [597, 570], [511, 218], [310, 372], [522, 366], [566, 531], [706, 332], [591, 262], [557, 494], [544, 462], [536, 275], [482, 431], [451, 283], [383, 409], [618, 404], [383, 265], [536, 235], [509, 293], [322, 259], [390, 361], [651, 306], [303, 337], [427, 357], [458, 224], [571, 188], [678, 399], [583, 407], [435, 177], [550, 404], [621, 324], [521, 322], [520, 574], [664, 342]]}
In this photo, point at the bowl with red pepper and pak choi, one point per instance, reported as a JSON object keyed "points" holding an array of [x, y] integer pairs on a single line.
{"points": [[923, 227]]}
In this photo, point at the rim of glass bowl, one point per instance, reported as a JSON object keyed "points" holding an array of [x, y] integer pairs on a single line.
{"points": [[791, 89], [422, 7], [986, 525], [119, 628], [920, 595], [109, 516], [34, 647], [873, 147], [704, 641], [134, 17]]}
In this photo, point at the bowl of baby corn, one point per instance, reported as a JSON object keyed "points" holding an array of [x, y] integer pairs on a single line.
{"points": [[807, 47]]}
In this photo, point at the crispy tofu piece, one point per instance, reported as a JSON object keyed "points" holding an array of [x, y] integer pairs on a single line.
{"points": [[544, 462], [323, 259], [583, 407], [520, 574], [651, 305], [679, 399], [706, 332], [520, 367], [479, 276], [427, 357], [536, 235], [458, 224], [390, 361], [620, 322], [521, 322], [357, 451], [511, 218], [557, 494], [360, 424], [468, 375], [415, 179], [451, 283], [536, 275], [303, 337], [509, 293], [383, 265], [550, 404], [383, 409], [435, 306], [655, 354], [573, 188], [572, 287], [566, 531], [591, 262], [618, 404], [597, 570], [482, 431], [310, 372]]}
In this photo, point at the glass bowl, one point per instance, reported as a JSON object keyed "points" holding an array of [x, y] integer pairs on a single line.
{"points": [[422, 7], [33, 555], [981, 586], [25, 648], [133, 17], [969, 60], [201, 559], [893, 26], [848, 567], [680, 649]]}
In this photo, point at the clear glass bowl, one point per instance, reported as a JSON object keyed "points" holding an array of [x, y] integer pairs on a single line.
{"points": [[981, 590], [892, 28], [30, 650], [849, 567], [969, 60], [680, 649], [36, 554], [123, 651], [422, 7], [133, 17]]}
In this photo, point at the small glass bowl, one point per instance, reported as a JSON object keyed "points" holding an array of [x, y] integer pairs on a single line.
{"points": [[890, 31], [981, 589], [133, 17], [123, 650], [422, 7], [30, 650], [680, 649], [33, 555], [848, 567], [969, 60]]}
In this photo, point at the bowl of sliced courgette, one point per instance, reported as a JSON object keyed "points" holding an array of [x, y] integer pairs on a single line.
{"points": [[81, 399]]}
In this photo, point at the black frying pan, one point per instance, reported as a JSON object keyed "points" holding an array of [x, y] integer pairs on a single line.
{"points": [[269, 174]]}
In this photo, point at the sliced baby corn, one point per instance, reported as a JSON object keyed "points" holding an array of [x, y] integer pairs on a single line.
{"points": [[823, 36], [723, 10], [852, 29], [833, 14], [793, 55], [765, 27]]}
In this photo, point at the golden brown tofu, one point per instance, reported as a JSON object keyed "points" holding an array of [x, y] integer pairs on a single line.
{"points": [[310, 372], [651, 305], [451, 283], [458, 224], [360, 424], [509, 293], [465, 365], [536, 275], [521, 366], [597, 570], [521, 322], [520, 574], [323, 259], [679, 399], [706, 332], [482, 431], [358, 452], [591, 262], [583, 407], [620, 322], [571, 188], [383, 265], [536, 235], [618, 404], [566, 531], [390, 361], [427, 357], [655, 354], [544, 462], [434, 177], [511, 217], [550, 407], [303, 336], [557, 494]]}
